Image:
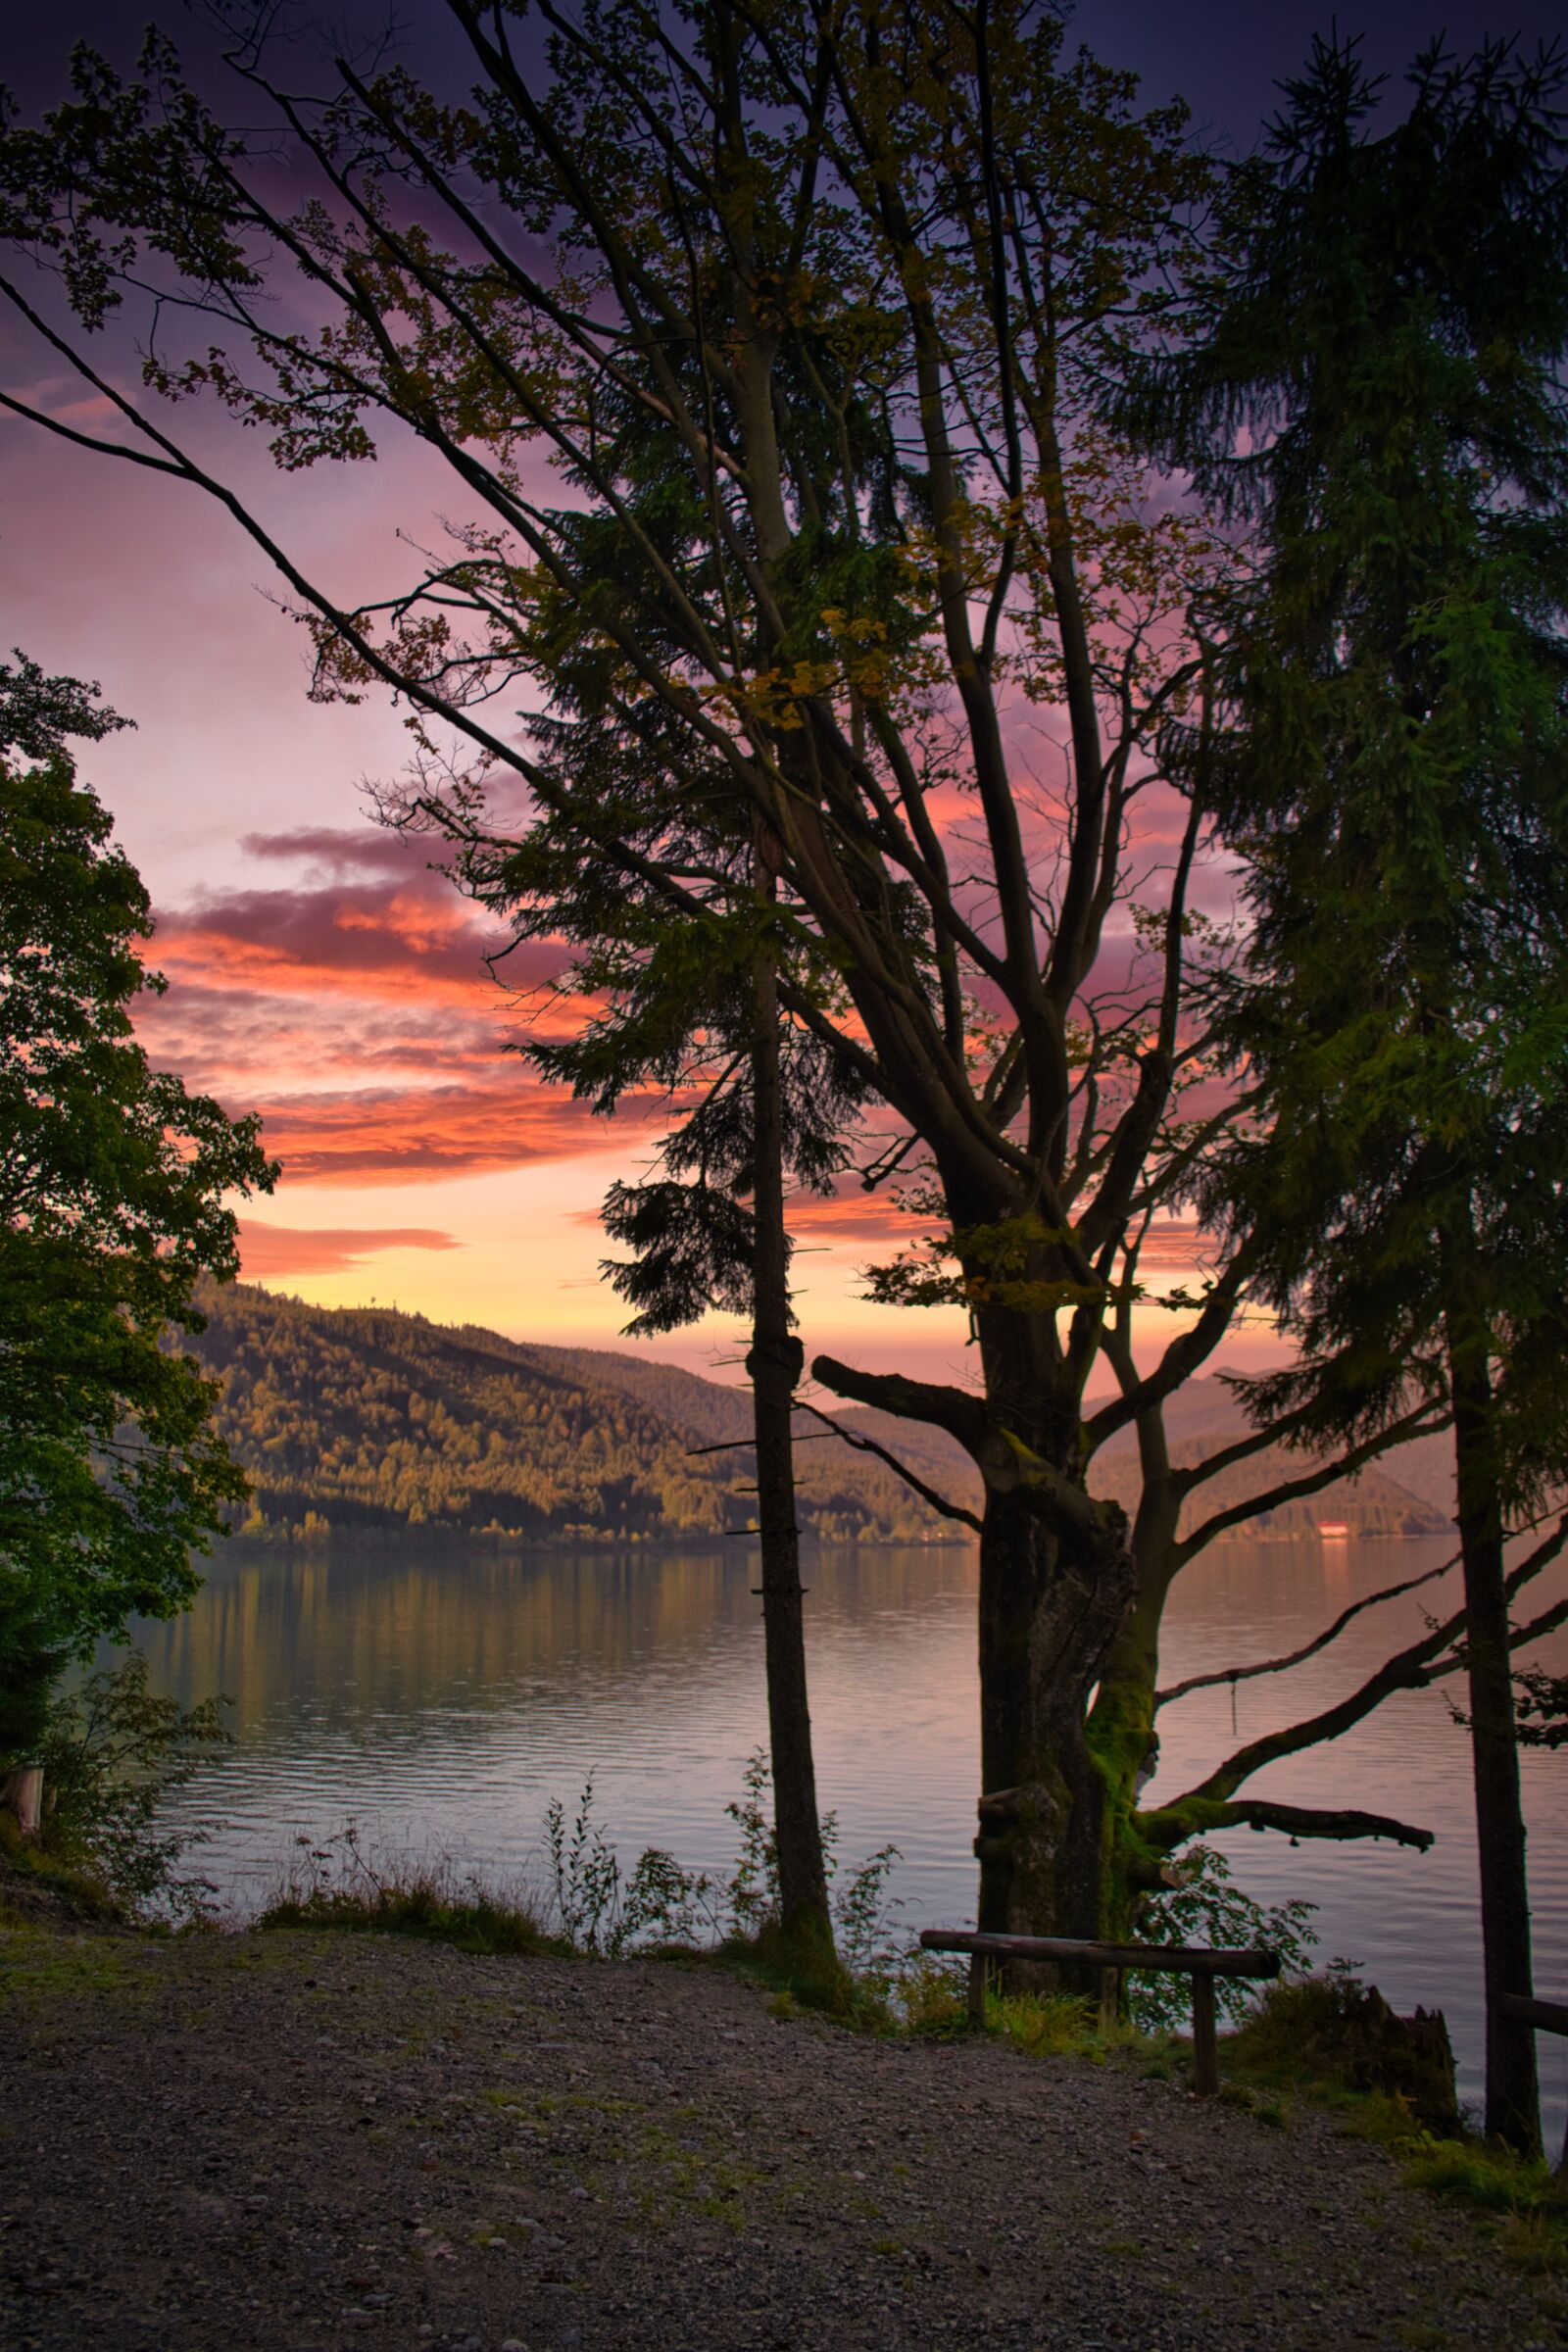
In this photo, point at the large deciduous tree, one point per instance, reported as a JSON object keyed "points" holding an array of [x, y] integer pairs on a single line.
{"points": [[1377, 379], [113, 1185], [764, 343]]}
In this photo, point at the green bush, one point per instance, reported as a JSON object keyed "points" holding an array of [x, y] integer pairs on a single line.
{"points": [[1208, 1908], [110, 1753]]}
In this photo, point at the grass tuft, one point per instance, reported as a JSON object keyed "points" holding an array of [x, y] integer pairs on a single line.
{"points": [[476, 1923], [1063, 2025], [343, 1889], [932, 1996], [39, 1886]]}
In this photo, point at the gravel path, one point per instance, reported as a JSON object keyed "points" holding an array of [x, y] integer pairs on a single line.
{"points": [[289, 2143]]}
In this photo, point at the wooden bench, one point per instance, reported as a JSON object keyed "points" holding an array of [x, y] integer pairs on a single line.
{"points": [[1548, 2017], [1197, 1961]]}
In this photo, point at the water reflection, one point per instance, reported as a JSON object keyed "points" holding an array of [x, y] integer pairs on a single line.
{"points": [[443, 1701]]}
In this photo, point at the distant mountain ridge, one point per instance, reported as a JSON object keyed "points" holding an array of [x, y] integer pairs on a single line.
{"points": [[363, 1421], [1407, 1491], [367, 1422]]}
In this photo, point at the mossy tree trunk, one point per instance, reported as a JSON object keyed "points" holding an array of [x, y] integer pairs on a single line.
{"points": [[1057, 1578]]}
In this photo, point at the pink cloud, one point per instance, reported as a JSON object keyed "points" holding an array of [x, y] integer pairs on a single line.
{"points": [[386, 941], [247, 1040], [411, 1135], [268, 1251], [349, 849]]}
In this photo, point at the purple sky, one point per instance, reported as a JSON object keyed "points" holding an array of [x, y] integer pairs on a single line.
{"points": [[320, 971]]}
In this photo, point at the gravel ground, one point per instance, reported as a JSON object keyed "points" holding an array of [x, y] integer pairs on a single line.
{"points": [[301, 2143]]}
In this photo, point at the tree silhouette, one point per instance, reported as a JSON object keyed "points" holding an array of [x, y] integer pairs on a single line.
{"points": [[1389, 330]]}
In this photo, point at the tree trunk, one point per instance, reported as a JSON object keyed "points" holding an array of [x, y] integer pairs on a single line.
{"points": [[774, 1363], [1513, 2094], [22, 1796], [1052, 1598], [1123, 1729], [1125, 1739]]}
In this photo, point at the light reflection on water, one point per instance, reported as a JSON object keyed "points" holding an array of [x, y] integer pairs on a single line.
{"points": [[442, 1701]]}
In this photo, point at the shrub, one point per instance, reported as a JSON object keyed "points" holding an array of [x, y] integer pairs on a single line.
{"points": [[1208, 1908], [605, 1912], [110, 1754]]}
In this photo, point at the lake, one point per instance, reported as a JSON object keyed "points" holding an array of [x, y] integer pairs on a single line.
{"points": [[440, 1702]]}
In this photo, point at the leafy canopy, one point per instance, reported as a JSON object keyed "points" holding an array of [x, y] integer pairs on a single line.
{"points": [[112, 1203], [1376, 383]]}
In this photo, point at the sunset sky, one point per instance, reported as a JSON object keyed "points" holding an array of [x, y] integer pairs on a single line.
{"points": [[320, 972]]}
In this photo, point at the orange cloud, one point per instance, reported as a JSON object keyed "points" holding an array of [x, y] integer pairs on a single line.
{"points": [[376, 942], [411, 1135], [240, 1041], [372, 918], [874, 1218], [268, 1251], [1177, 1241]]}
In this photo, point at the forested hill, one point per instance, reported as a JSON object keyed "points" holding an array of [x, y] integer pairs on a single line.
{"points": [[355, 1421], [1406, 1494], [1406, 1491]]}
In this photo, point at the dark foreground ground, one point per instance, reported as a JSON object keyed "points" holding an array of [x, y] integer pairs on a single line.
{"points": [[282, 2143]]}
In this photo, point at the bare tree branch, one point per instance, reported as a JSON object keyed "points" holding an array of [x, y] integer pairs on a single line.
{"points": [[1310, 1821], [864, 1445], [1423, 1420], [1286, 1490], [1407, 1670], [961, 1415], [1245, 1674]]}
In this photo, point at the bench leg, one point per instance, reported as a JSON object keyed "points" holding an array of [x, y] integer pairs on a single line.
{"points": [[977, 1988], [1206, 2051]]}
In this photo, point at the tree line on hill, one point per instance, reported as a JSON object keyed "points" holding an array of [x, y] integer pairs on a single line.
{"points": [[361, 1420]]}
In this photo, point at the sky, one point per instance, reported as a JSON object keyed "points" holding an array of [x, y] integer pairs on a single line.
{"points": [[320, 971]]}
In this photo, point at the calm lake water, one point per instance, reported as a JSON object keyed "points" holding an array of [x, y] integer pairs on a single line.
{"points": [[440, 1703]]}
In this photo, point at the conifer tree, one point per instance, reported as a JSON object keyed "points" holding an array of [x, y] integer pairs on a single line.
{"points": [[1376, 378], [692, 1006]]}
